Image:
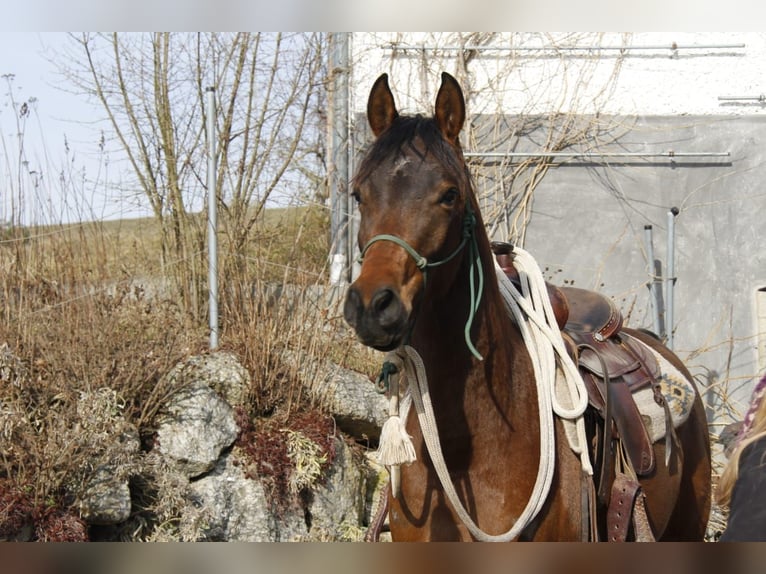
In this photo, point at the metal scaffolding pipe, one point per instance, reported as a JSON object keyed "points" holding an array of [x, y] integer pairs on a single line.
{"points": [[552, 48], [670, 279], [671, 154], [760, 98], [212, 239], [339, 157], [654, 281]]}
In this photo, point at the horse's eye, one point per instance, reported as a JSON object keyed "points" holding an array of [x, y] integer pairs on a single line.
{"points": [[450, 197], [356, 196]]}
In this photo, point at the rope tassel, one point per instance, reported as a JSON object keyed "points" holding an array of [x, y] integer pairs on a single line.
{"points": [[395, 446]]}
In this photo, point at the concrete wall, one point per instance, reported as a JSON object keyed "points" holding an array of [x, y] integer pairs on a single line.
{"points": [[588, 222]]}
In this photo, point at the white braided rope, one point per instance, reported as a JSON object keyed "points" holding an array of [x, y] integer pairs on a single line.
{"points": [[413, 366], [548, 340], [534, 315]]}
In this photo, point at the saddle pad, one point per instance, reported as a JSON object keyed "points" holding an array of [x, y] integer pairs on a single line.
{"points": [[678, 393]]}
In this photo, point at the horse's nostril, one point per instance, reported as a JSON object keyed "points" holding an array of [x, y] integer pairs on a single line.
{"points": [[386, 307], [382, 300], [352, 307], [379, 322]]}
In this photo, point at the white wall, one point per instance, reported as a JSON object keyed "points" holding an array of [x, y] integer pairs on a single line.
{"points": [[649, 82]]}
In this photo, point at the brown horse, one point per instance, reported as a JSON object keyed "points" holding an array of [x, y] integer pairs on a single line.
{"points": [[417, 206]]}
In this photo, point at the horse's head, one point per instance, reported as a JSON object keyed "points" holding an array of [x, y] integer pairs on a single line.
{"points": [[414, 198]]}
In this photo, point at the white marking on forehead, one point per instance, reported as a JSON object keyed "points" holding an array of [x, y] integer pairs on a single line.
{"points": [[401, 163]]}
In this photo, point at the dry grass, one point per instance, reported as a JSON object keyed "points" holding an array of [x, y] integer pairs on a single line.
{"points": [[91, 328], [130, 248]]}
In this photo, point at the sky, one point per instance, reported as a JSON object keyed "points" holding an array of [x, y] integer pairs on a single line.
{"points": [[60, 136]]}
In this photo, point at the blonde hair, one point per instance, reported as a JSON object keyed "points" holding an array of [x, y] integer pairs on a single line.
{"points": [[730, 473]]}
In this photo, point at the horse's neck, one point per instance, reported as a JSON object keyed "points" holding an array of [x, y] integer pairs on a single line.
{"points": [[459, 382]]}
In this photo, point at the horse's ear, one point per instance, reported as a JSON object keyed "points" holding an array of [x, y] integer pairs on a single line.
{"points": [[381, 110], [450, 108]]}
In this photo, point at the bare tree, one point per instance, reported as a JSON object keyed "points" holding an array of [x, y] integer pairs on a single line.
{"points": [[152, 90], [558, 110]]}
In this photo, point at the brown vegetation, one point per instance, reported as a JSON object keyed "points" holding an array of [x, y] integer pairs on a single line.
{"points": [[88, 344]]}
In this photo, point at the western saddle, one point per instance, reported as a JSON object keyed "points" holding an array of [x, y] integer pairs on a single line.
{"points": [[613, 365]]}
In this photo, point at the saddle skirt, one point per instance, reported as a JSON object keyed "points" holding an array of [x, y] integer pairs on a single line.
{"points": [[607, 353], [648, 396]]}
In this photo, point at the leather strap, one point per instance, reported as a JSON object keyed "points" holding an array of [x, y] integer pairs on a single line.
{"points": [[376, 526], [608, 439], [620, 512], [631, 427], [628, 506], [589, 510], [619, 406]]}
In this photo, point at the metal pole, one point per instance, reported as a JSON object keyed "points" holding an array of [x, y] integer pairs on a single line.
{"points": [[654, 285], [553, 48], [587, 155], [670, 279], [339, 161], [212, 239], [759, 98]]}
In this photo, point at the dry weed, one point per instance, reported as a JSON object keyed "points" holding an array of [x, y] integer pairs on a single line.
{"points": [[87, 345]]}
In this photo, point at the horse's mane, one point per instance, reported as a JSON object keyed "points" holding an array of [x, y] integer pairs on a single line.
{"points": [[403, 133]]}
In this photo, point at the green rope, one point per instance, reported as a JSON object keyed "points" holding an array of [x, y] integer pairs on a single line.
{"points": [[420, 261], [476, 292], [382, 383]]}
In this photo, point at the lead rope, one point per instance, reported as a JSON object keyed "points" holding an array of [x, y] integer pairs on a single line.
{"points": [[544, 343], [569, 397]]}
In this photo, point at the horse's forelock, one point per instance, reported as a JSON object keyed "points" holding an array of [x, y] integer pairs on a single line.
{"points": [[401, 136]]}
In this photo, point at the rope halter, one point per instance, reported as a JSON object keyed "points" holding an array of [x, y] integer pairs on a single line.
{"points": [[476, 276]]}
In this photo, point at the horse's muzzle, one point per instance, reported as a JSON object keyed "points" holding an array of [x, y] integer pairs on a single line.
{"points": [[382, 323]]}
